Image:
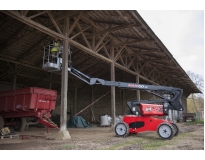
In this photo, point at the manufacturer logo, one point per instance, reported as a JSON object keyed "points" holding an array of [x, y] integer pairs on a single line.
{"points": [[136, 85], [43, 101], [148, 109]]}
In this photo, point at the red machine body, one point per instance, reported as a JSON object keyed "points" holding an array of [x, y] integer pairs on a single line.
{"points": [[28, 102], [141, 124], [151, 109], [145, 122]]}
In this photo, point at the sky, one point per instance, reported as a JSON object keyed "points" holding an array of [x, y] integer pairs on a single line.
{"points": [[182, 33]]}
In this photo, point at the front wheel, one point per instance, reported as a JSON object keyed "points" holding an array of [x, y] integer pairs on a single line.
{"points": [[122, 129], [165, 131]]}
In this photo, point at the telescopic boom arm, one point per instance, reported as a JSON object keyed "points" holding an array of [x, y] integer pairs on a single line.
{"points": [[175, 93]]}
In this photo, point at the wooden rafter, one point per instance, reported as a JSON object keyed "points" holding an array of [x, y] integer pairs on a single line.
{"points": [[54, 22], [38, 14], [36, 25], [103, 45], [84, 37], [75, 23], [119, 52], [140, 40], [75, 35], [117, 28], [100, 41]]}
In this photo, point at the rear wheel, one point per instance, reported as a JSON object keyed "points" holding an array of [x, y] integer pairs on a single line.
{"points": [[122, 129], [1, 122], [176, 129], [165, 131], [20, 124]]}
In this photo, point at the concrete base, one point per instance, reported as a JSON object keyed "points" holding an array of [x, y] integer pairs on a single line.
{"points": [[63, 135]]}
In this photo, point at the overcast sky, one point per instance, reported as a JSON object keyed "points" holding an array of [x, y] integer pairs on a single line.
{"points": [[182, 32]]}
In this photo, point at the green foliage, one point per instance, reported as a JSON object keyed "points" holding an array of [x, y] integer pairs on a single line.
{"points": [[196, 122], [66, 147], [195, 104], [151, 145], [195, 101]]}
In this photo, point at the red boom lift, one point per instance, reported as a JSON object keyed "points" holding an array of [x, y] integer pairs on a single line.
{"points": [[144, 113]]}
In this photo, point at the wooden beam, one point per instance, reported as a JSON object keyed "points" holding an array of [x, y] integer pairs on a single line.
{"points": [[140, 40], [84, 37], [75, 23], [117, 28], [103, 45], [38, 14], [54, 22], [95, 54], [80, 32], [25, 13], [33, 24], [131, 62], [108, 22], [100, 41], [119, 52]]}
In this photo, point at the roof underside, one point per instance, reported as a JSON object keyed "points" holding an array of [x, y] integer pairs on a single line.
{"points": [[92, 34]]}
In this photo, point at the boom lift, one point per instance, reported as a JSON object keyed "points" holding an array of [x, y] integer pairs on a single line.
{"points": [[144, 114]]}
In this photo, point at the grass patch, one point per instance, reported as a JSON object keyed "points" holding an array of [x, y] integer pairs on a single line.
{"points": [[181, 135], [100, 140], [195, 122], [154, 144], [127, 143], [67, 147]]}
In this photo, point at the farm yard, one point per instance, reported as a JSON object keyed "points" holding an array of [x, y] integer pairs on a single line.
{"points": [[190, 137]]}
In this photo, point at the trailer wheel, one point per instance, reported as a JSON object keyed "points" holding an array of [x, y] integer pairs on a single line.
{"points": [[1, 122], [165, 131], [122, 129], [20, 124], [176, 129]]}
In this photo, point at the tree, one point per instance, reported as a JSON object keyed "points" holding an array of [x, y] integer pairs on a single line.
{"points": [[195, 101], [198, 81]]}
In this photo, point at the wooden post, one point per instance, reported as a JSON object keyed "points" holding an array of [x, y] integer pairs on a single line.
{"points": [[64, 78], [93, 39], [63, 134], [112, 71], [92, 98], [75, 100], [50, 81], [122, 96], [138, 91], [14, 77]]}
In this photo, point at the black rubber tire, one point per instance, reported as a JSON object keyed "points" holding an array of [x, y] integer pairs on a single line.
{"points": [[20, 124], [176, 129], [169, 126], [126, 127], [1, 122]]}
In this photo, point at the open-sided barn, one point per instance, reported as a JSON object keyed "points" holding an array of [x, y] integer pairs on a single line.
{"points": [[115, 45]]}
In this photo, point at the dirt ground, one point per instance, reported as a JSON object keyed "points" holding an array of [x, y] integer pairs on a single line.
{"points": [[190, 137]]}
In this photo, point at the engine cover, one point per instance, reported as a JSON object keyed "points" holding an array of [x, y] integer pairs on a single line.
{"points": [[151, 109]]}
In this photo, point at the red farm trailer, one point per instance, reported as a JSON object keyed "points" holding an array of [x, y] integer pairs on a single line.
{"points": [[21, 107]]}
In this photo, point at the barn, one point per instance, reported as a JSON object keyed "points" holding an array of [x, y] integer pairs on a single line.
{"points": [[115, 45]]}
